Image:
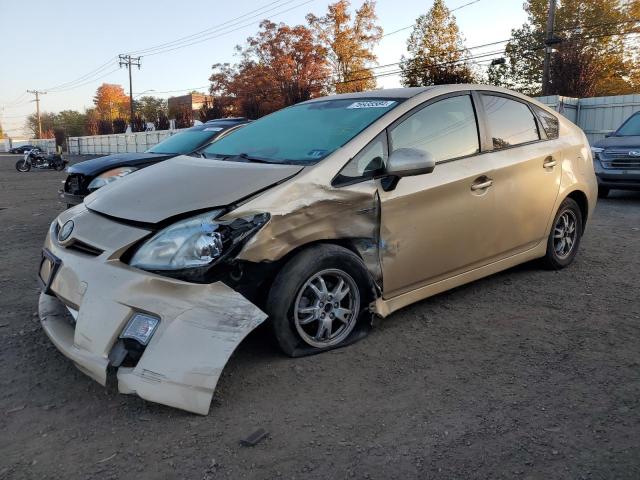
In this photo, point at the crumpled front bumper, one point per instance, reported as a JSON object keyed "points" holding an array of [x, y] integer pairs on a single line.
{"points": [[200, 325]]}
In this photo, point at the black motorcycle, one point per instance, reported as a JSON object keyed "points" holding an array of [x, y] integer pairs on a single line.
{"points": [[37, 159]]}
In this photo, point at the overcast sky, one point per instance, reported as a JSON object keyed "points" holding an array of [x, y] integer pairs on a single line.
{"points": [[45, 43]]}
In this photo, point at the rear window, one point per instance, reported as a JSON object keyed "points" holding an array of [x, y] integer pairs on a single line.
{"points": [[549, 123], [510, 122]]}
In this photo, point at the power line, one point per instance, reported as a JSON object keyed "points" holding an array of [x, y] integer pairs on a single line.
{"points": [[240, 27], [208, 30]]}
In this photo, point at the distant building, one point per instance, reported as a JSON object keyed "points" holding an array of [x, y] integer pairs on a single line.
{"points": [[192, 101]]}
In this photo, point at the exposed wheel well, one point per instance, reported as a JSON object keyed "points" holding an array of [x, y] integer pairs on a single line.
{"points": [[581, 199]]}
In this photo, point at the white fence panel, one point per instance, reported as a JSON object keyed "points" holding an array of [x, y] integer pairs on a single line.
{"points": [[117, 143], [597, 116]]}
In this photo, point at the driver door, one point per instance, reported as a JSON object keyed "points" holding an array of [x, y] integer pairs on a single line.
{"points": [[438, 225]]}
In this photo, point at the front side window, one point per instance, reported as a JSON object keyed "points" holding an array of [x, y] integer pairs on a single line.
{"points": [[630, 128], [447, 129], [371, 161], [549, 123], [510, 122], [302, 134]]}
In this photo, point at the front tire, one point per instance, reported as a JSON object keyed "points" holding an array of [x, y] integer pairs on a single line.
{"points": [[318, 299], [23, 166], [564, 238]]}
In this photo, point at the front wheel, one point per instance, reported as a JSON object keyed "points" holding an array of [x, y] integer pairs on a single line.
{"points": [[23, 165], [58, 166], [318, 299], [564, 239]]}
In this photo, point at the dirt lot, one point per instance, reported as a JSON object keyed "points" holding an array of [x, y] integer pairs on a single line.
{"points": [[526, 374]]}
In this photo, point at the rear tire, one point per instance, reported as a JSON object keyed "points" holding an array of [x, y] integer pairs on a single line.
{"points": [[603, 192], [318, 298], [564, 238], [23, 166]]}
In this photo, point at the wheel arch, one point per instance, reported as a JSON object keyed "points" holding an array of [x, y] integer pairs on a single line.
{"points": [[583, 202]]}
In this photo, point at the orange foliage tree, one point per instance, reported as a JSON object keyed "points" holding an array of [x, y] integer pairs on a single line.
{"points": [[349, 44], [280, 66], [111, 102]]}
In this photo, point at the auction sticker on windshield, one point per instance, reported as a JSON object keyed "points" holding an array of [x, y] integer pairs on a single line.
{"points": [[372, 104]]}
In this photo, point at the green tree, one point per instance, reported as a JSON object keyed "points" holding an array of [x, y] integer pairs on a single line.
{"points": [[349, 45], [594, 55], [72, 122], [436, 51], [151, 108]]}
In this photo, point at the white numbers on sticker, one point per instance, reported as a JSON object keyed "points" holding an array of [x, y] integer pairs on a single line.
{"points": [[372, 104]]}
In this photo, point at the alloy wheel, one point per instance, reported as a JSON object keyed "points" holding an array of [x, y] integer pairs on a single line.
{"points": [[565, 234], [326, 308]]}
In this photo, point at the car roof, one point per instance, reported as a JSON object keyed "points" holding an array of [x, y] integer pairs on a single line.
{"points": [[385, 93]]}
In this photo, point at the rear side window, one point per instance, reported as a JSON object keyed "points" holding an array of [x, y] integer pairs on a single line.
{"points": [[447, 129], [549, 123], [510, 122]]}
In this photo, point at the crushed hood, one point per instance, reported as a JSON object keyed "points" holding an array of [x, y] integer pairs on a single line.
{"points": [[184, 184], [98, 165]]}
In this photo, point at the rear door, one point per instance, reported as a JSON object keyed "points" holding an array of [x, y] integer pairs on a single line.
{"points": [[527, 165]]}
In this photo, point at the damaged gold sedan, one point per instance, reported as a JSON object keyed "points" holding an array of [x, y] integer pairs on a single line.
{"points": [[317, 217]]}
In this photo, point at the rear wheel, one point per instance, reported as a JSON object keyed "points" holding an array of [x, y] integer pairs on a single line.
{"points": [[23, 166], [564, 239], [603, 192], [317, 299]]}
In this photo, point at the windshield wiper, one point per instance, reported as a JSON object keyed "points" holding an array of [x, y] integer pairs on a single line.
{"points": [[245, 157]]}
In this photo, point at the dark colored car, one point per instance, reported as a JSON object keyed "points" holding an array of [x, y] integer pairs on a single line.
{"points": [[88, 176], [22, 148], [616, 158]]}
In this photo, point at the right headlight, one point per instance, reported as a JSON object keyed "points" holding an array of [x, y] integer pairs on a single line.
{"points": [[596, 151], [195, 243]]}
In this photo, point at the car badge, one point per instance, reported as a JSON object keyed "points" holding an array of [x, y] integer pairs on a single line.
{"points": [[65, 231], [634, 153]]}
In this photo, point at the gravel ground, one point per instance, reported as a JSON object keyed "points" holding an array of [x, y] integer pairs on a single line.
{"points": [[525, 374]]}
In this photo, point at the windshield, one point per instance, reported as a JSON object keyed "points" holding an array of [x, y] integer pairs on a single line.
{"points": [[630, 128], [183, 142], [302, 134]]}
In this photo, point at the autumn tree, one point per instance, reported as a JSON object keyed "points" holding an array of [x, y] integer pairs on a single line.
{"points": [[47, 120], [111, 102], [349, 44], [280, 66], [594, 54], [92, 122], [436, 51]]}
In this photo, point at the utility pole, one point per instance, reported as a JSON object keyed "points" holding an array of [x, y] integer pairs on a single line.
{"points": [[128, 61], [37, 100], [548, 48]]}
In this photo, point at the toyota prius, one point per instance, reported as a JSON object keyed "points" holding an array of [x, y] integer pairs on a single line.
{"points": [[314, 219]]}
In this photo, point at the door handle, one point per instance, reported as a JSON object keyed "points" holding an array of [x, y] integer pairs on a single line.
{"points": [[549, 162], [481, 184]]}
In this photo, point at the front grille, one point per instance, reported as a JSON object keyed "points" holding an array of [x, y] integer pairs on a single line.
{"points": [[620, 160]]}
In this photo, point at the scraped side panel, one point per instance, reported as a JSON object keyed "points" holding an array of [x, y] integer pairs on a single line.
{"points": [[306, 211]]}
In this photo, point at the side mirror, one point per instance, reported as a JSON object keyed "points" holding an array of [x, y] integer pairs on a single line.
{"points": [[406, 162]]}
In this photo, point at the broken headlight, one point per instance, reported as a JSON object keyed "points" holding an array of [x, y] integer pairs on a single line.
{"points": [[196, 242]]}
